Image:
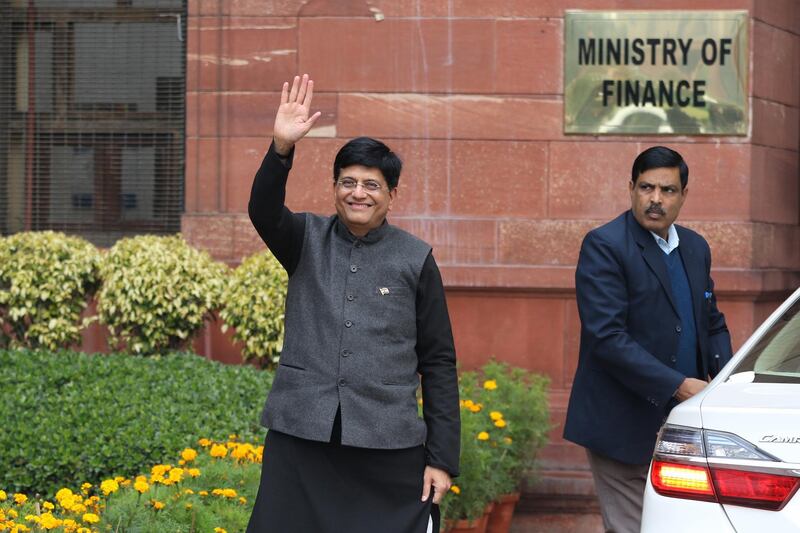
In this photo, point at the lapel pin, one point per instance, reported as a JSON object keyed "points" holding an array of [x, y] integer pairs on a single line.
{"points": [[384, 291]]}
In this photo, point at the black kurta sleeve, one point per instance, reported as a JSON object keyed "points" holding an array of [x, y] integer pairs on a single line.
{"points": [[437, 366], [280, 229]]}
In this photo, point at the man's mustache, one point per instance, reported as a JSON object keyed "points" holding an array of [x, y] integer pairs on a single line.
{"points": [[655, 208]]}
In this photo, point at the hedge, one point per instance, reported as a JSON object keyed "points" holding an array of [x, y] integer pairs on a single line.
{"points": [[71, 417]]}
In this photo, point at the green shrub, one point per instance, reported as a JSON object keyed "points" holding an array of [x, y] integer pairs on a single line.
{"points": [[70, 418], [504, 423], [156, 292], [254, 301], [46, 281]]}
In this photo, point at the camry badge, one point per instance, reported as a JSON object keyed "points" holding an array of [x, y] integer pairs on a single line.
{"points": [[781, 439]]}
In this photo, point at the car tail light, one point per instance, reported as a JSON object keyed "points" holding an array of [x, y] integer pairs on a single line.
{"points": [[680, 470], [753, 489], [688, 481]]}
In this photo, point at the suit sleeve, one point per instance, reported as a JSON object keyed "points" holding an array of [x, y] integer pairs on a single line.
{"points": [[437, 366], [602, 296], [719, 337], [279, 228]]}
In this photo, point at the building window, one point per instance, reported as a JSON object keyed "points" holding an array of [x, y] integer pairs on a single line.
{"points": [[92, 111]]}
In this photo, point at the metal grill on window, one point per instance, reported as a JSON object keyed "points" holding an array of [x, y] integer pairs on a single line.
{"points": [[92, 111]]}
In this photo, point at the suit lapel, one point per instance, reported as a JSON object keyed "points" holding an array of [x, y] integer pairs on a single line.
{"points": [[652, 256], [695, 272]]}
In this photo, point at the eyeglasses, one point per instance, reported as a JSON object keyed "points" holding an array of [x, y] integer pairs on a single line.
{"points": [[350, 184]]}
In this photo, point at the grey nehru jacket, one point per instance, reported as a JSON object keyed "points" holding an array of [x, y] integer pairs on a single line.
{"points": [[350, 338]]}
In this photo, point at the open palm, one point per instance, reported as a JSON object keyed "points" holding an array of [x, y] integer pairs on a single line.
{"points": [[292, 121]]}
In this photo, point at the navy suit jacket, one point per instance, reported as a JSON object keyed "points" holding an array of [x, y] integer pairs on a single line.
{"points": [[630, 328]]}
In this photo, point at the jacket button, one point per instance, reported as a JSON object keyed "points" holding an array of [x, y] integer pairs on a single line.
{"points": [[348, 323], [346, 353], [342, 383], [350, 298], [673, 358], [353, 268], [678, 329], [359, 244]]}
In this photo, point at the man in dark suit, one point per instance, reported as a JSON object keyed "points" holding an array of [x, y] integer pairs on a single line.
{"points": [[651, 333]]}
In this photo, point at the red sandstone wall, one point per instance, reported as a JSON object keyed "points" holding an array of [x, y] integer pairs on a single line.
{"points": [[469, 92]]}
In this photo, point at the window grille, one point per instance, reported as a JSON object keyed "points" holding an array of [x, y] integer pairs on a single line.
{"points": [[92, 115]]}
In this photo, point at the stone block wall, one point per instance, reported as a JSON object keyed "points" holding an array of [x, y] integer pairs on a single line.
{"points": [[470, 94]]}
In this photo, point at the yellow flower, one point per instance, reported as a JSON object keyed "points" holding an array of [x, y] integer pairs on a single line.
{"points": [[500, 423], [49, 506], [84, 530], [490, 384], [160, 470], [205, 443], [468, 403], [90, 518], [19, 528], [496, 415], [12, 513], [77, 508], [157, 505], [483, 435], [109, 486], [188, 491], [203, 493], [176, 474], [194, 472], [219, 450], [141, 486], [455, 489], [48, 521], [233, 436], [507, 440], [69, 524], [219, 530], [475, 408], [188, 506], [243, 500], [189, 454], [63, 493], [3, 496], [19, 499], [85, 487]]}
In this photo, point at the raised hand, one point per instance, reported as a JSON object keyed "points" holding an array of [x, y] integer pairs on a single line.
{"points": [[292, 121]]}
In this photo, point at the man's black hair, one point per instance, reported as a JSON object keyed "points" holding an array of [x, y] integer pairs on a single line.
{"points": [[372, 153], [660, 157]]}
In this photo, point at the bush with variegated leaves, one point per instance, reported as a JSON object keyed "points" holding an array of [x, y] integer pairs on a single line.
{"points": [[46, 281], [254, 302], [157, 291]]}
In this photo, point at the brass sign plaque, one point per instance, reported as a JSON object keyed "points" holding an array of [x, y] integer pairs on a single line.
{"points": [[656, 72]]}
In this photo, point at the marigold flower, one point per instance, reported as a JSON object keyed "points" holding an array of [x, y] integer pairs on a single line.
{"points": [[242, 500], [475, 408], [507, 440], [496, 415], [69, 525], [483, 435], [490, 384], [203, 493], [219, 530], [85, 487], [205, 443], [468, 403], [19, 499], [141, 486], [90, 518], [77, 508], [219, 450], [3, 496], [48, 521], [63, 493], [500, 423], [49, 506], [176, 474], [160, 470], [157, 505], [455, 489], [194, 472], [109, 486], [12, 513], [188, 506], [189, 454]]}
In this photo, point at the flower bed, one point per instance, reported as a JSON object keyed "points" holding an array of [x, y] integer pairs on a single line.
{"points": [[210, 488]]}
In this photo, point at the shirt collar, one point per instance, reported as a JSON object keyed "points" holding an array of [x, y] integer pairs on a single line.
{"points": [[371, 237], [672, 242]]}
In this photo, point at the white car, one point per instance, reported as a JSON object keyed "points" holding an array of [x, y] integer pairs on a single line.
{"points": [[728, 459]]}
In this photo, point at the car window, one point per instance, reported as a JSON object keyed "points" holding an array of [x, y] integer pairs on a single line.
{"points": [[776, 357]]}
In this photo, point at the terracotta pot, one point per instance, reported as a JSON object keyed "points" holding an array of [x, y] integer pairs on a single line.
{"points": [[500, 519], [471, 526]]}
